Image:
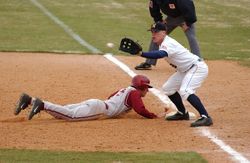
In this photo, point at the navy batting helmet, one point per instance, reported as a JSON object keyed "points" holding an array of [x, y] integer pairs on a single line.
{"points": [[141, 82]]}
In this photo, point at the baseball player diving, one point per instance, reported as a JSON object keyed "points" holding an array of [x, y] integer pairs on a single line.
{"points": [[122, 101], [191, 71]]}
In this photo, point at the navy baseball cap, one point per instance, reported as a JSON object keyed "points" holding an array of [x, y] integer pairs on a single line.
{"points": [[156, 27]]}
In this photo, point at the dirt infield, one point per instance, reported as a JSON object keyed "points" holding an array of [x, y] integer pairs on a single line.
{"points": [[68, 79]]}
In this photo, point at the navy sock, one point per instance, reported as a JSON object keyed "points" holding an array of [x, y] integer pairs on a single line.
{"points": [[176, 99], [196, 103]]}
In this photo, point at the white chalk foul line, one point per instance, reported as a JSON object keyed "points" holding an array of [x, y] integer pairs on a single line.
{"points": [[155, 91], [124, 67], [131, 73], [205, 132], [68, 30], [236, 155]]}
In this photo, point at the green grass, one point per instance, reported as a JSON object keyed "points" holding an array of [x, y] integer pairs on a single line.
{"points": [[224, 35], [25, 28], [14, 155], [101, 22]]}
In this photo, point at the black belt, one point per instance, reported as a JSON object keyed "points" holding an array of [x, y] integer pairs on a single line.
{"points": [[199, 60]]}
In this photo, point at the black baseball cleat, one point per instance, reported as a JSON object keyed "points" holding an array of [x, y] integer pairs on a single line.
{"points": [[38, 105], [202, 121], [143, 66], [23, 103], [178, 116]]}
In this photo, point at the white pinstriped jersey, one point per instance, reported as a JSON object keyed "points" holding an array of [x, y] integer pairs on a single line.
{"points": [[178, 56], [117, 104]]}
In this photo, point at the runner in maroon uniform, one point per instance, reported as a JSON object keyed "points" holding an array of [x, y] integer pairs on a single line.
{"points": [[118, 103]]}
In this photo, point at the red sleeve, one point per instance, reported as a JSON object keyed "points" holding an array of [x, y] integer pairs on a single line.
{"points": [[135, 101]]}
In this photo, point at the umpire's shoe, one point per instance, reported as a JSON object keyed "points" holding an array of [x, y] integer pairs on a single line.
{"points": [[202, 121], [23, 103], [143, 66], [178, 116], [38, 105]]}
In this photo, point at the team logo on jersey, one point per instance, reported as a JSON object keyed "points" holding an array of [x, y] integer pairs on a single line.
{"points": [[171, 6], [150, 5]]}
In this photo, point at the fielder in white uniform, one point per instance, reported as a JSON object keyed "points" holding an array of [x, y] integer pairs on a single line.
{"points": [[191, 71], [118, 103]]}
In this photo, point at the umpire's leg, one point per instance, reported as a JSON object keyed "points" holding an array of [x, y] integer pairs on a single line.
{"points": [[193, 43], [152, 47]]}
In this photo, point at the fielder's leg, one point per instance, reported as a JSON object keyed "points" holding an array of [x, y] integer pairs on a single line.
{"points": [[191, 82], [171, 88]]}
